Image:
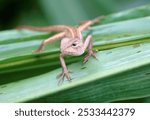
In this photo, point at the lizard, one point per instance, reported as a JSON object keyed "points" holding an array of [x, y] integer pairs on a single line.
{"points": [[71, 42]]}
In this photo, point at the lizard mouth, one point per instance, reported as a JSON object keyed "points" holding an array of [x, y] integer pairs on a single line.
{"points": [[68, 52], [73, 53]]}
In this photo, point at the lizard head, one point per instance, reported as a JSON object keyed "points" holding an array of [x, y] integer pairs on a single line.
{"points": [[72, 46]]}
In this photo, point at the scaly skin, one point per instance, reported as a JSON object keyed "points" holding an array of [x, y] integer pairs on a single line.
{"points": [[71, 42]]}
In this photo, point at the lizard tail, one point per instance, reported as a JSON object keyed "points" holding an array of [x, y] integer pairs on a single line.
{"points": [[54, 28], [31, 28]]}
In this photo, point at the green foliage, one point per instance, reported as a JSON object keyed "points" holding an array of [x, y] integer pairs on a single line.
{"points": [[121, 73], [45, 12]]}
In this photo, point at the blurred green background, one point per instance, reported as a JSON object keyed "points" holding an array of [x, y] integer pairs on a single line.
{"points": [[46, 12]]}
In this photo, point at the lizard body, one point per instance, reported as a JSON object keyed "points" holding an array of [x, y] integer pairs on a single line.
{"points": [[71, 42]]}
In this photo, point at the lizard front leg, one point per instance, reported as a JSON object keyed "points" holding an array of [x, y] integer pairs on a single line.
{"points": [[65, 72], [88, 43]]}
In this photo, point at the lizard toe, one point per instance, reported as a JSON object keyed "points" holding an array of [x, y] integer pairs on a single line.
{"points": [[62, 75]]}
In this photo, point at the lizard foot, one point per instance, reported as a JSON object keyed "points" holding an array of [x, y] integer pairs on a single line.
{"points": [[91, 53], [62, 75], [40, 49], [37, 51], [98, 19]]}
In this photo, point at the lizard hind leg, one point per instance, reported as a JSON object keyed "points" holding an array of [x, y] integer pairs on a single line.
{"points": [[85, 24], [48, 40]]}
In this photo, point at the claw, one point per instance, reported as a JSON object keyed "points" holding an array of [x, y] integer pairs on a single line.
{"points": [[62, 75], [40, 49], [37, 51], [91, 53]]}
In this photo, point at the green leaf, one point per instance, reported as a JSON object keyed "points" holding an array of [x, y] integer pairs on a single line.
{"points": [[134, 13], [19, 54], [121, 73]]}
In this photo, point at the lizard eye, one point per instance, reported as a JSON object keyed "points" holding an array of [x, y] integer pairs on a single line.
{"points": [[75, 44]]}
